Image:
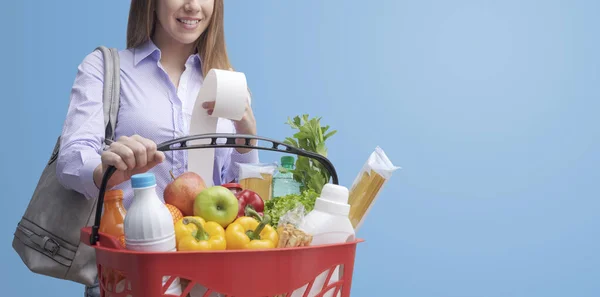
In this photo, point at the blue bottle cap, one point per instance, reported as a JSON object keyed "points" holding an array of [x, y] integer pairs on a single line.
{"points": [[143, 180]]}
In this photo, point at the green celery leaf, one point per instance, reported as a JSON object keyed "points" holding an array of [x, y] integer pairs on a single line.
{"points": [[321, 149], [301, 135], [291, 141], [329, 134]]}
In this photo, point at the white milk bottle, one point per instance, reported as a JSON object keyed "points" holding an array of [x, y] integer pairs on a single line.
{"points": [[328, 223], [148, 224]]}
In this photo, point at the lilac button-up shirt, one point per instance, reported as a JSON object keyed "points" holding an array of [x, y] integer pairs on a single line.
{"points": [[150, 106]]}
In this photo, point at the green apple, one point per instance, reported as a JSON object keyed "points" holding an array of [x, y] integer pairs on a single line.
{"points": [[217, 204]]}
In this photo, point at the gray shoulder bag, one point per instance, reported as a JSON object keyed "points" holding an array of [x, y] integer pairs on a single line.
{"points": [[48, 236]]}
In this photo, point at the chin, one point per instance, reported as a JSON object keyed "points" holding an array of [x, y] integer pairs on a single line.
{"points": [[184, 37], [187, 40]]}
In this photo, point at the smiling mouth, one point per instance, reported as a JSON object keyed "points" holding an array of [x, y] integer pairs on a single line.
{"points": [[188, 22]]}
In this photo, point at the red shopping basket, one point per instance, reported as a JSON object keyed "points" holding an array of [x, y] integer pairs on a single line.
{"points": [[239, 273]]}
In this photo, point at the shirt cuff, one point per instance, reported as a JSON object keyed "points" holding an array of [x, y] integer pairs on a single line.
{"points": [[86, 177]]}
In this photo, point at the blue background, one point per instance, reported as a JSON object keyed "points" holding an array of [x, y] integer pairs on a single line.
{"points": [[490, 108]]}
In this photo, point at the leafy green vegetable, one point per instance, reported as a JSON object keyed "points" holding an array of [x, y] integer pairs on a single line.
{"points": [[311, 175], [311, 136], [277, 207]]}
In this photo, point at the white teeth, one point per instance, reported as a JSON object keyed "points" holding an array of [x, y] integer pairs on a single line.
{"points": [[189, 22]]}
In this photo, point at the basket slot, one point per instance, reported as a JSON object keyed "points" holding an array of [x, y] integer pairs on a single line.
{"points": [[337, 285], [325, 277], [168, 283], [113, 282], [208, 292], [308, 288], [192, 288], [337, 290], [188, 288], [329, 275]]}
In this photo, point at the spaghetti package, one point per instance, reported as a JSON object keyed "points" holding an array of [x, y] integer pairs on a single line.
{"points": [[364, 191], [257, 178]]}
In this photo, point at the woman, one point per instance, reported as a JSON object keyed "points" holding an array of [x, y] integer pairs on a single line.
{"points": [[171, 45]]}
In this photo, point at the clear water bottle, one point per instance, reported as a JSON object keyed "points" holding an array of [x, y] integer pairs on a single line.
{"points": [[283, 182]]}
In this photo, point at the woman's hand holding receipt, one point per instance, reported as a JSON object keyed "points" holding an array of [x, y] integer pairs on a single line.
{"points": [[247, 125]]}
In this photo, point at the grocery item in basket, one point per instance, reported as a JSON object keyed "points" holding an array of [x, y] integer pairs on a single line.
{"points": [[215, 241], [277, 208], [375, 173], [175, 212], [113, 214], [290, 236], [182, 191], [283, 181], [195, 234], [289, 233], [249, 198], [329, 224], [311, 137], [148, 224], [251, 232], [233, 187], [217, 204], [258, 178], [111, 223], [295, 216]]}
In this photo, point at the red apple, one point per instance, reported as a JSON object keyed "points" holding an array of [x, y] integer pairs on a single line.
{"points": [[182, 191]]}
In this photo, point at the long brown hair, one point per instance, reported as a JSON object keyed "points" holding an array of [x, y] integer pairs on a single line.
{"points": [[210, 46]]}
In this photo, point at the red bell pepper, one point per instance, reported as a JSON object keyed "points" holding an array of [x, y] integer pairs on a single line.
{"points": [[248, 198]]}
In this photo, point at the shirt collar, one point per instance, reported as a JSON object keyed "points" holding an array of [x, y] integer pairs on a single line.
{"points": [[148, 48], [145, 50], [195, 59]]}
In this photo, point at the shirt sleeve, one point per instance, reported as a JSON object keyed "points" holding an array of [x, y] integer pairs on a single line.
{"points": [[83, 130]]}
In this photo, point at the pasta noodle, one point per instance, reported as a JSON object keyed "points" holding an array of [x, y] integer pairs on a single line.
{"points": [[364, 191]]}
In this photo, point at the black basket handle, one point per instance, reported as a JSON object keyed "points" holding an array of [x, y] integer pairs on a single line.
{"points": [[229, 143]]}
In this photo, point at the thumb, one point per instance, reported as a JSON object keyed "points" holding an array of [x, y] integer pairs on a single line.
{"points": [[159, 157]]}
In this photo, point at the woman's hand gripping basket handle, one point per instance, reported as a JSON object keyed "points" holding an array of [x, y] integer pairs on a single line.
{"points": [[229, 143]]}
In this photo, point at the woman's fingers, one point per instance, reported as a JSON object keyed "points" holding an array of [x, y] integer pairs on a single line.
{"points": [[110, 158], [135, 151], [149, 149], [130, 155], [159, 157], [139, 153], [124, 152], [209, 105]]}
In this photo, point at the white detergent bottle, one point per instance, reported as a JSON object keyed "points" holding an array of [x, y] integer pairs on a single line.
{"points": [[148, 225], [328, 223]]}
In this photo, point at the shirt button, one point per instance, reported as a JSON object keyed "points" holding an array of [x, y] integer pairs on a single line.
{"points": [[178, 165]]}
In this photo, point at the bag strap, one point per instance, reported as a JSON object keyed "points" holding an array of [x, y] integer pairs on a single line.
{"points": [[111, 91]]}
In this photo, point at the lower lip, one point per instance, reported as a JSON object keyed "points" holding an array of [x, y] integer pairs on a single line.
{"points": [[188, 26]]}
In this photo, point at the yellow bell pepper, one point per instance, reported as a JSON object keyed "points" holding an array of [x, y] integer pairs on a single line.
{"points": [[251, 232], [195, 234], [182, 230]]}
